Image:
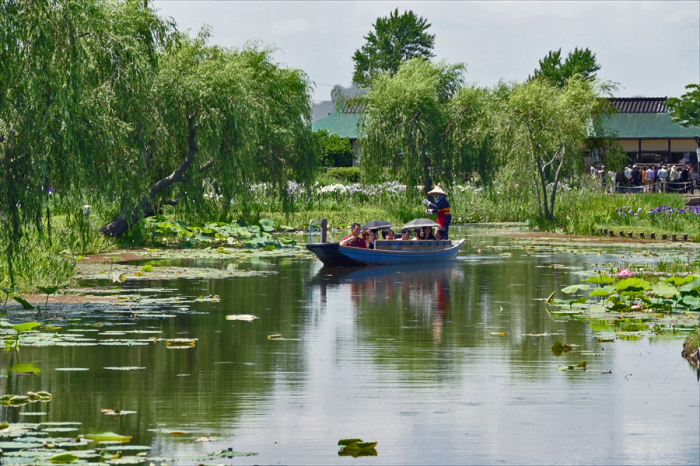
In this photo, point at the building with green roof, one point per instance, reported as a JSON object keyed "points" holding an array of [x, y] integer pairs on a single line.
{"points": [[647, 133], [345, 123], [643, 126]]}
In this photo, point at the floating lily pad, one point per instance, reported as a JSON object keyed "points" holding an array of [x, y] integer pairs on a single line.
{"points": [[243, 317], [128, 448], [63, 458], [110, 436], [124, 368]]}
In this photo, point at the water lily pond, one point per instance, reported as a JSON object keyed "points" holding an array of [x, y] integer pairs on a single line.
{"points": [[230, 357]]}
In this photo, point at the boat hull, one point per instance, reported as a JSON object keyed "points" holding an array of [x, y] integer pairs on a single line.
{"points": [[334, 255]]}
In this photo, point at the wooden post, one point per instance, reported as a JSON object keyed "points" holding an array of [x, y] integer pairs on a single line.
{"points": [[639, 153], [324, 229]]}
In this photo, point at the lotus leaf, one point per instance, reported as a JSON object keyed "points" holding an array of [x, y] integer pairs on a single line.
{"points": [[692, 286], [558, 348], [600, 292], [25, 368], [101, 436], [599, 279], [26, 326], [579, 366], [25, 304], [63, 458], [632, 284], [49, 289], [691, 301], [678, 281], [267, 224], [664, 290], [574, 288]]}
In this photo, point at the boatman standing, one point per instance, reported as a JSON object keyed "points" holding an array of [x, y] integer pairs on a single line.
{"points": [[441, 208]]}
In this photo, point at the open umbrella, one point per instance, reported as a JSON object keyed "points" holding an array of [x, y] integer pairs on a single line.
{"points": [[420, 223], [375, 225]]}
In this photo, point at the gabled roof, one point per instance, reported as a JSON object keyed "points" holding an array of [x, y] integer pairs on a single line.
{"points": [[640, 104], [345, 125], [647, 125]]}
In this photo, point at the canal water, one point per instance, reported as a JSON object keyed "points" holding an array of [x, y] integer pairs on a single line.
{"points": [[446, 364]]}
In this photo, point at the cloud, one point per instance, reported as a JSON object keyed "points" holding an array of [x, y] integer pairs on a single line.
{"points": [[651, 48]]}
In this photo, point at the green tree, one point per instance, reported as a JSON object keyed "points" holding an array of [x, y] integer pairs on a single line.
{"points": [[395, 40], [406, 122], [224, 118], [337, 151], [73, 80], [686, 109], [580, 62], [470, 132], [542, 130]]}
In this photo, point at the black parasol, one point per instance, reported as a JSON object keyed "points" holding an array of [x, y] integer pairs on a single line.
{"points": [[420, 223], [376, 225]]}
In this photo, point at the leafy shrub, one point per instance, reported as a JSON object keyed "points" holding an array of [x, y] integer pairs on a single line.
{"points": [[345, 174]]}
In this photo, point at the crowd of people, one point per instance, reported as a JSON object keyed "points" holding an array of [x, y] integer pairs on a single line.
{"points": [[659, 178], [366, 238]]}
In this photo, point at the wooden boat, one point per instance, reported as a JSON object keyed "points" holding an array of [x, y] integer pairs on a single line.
{"points": [[386, 253]]}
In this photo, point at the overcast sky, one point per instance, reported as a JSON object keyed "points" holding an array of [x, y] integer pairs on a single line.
{"points": [[649, 48]]}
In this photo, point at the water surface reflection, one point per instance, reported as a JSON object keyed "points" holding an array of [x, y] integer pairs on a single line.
{"points": [[411, 357]]}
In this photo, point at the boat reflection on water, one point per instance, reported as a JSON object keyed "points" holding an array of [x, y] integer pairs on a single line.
{"points": [[424, 288]]}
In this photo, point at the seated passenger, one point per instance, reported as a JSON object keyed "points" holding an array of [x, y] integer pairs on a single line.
{"points": [[354, 240], [440, 234], [405, 235], [428, 233], [388, 234], [418, 234], [368, 237]]}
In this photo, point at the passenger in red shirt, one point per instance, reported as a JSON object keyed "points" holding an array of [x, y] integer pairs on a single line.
{"points": [[354, 239]]}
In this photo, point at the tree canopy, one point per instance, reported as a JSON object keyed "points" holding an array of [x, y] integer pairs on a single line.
{"points": [[395, 40], [543, 129], [336, 151], [580, 62], [104, 102], [686, 109], [406, 122]]}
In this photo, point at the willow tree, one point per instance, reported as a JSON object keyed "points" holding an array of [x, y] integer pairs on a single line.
{"points": [[544, 130], [470, 133], [70, 73], [225, 118], [406, 122]]}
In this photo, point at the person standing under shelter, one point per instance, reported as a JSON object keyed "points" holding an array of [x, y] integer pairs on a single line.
{"points": [[441, 207], [651, 174], [636, 177], [663, 177]]}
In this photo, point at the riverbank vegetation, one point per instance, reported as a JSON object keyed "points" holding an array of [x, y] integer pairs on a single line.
{"points": [[112, 118]]}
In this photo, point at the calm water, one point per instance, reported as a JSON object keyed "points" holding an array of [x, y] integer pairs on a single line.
{"points": [[399, 356]]}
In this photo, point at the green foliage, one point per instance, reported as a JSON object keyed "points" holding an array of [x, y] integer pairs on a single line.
{"points": [[406, 119], [686, 109], [395, 40], [164, 118], [579, 63], [337, 151], [542, 130], [211, 234], [74, 82], [346, 175]]}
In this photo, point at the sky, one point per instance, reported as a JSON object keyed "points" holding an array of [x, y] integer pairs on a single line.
{"points": [[649, 48]]}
